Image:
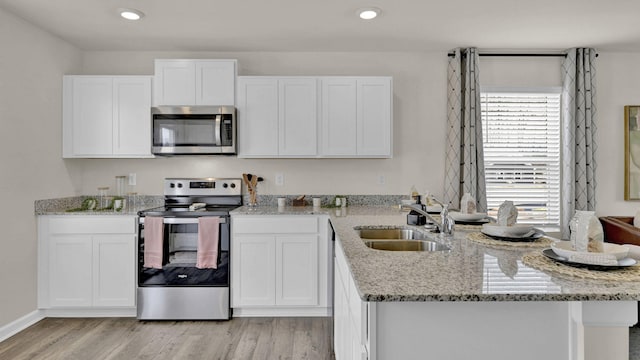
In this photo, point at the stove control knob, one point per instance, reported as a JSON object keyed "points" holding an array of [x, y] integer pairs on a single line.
{"points": [[179, 185], [233, 186], [172, 185], [225, 185]]}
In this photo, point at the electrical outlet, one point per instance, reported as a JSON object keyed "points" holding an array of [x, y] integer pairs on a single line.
{"points": [[279, 179], [132, 179], [381, 180]]}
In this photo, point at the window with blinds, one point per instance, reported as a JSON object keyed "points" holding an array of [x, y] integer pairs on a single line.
{"points": [[521, 133]]}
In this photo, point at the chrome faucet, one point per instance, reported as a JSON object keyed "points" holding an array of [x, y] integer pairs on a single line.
{"points": [[445, 226]]}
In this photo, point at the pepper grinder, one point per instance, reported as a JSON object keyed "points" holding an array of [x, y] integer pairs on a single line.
{"points": [[414, 217]]}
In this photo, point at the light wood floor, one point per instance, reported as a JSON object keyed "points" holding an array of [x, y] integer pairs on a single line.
{"points": [[126, 338]]}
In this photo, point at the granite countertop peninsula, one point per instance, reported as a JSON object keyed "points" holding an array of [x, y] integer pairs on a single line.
{"points": [[468, 272]]}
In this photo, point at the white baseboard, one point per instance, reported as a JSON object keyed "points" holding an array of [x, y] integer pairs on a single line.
{"points": [[281, 312], [20, 324], [88, 313]]}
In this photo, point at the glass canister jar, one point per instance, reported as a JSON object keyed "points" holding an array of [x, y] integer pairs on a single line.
{"points": [[121, 185], [103, 199], [132, 201]]}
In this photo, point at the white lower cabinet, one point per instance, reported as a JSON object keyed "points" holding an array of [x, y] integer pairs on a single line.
{"points": [[351, 314], [279, 265], [86, 262]]}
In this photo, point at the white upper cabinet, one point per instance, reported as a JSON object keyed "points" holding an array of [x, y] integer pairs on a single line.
{"points": [[311, 117], [339, 131], [194, 82], [357, 117], [277, 116], [257, 112], [131, 116], [106, 116], [298, 117]]}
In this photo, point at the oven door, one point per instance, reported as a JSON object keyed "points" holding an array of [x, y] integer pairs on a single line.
{"points": [[180, 247]]}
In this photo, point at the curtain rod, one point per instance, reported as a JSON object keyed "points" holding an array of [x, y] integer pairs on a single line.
{"points": [[518, 55]]}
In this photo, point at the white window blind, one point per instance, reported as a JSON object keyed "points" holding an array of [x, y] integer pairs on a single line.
{"points": [[521, 133]]}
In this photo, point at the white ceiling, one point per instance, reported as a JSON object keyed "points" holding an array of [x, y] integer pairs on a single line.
{"points": [[331, 25]]}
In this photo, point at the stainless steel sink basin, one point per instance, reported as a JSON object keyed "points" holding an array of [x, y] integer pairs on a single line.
{"points": [[399, 240], [390, 234], [406, 245]]}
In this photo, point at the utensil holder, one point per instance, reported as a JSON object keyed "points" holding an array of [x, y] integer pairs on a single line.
{"points": [[301, 202], [253, 197]]}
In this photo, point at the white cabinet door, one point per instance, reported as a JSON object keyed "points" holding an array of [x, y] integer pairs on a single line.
{"points": [[253, 275], [341, 328], [277, 116], [374, 117], [174, 82], [258, 117], [283, 117], [357, 117], [91, 115], [298, 117], [114, 259], [297, 270], [86, 261], [106, 116], [132, 119], [339, 97], [280, 265], [350, 313], [70, 268], [194, 82], [215, 82]]}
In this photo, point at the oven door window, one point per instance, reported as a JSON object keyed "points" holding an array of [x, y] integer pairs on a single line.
{"points": [[180, 246]]}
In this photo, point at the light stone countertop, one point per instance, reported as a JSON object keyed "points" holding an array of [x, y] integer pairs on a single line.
{"points": [[275, 210], [468, 272], [59, 206]]}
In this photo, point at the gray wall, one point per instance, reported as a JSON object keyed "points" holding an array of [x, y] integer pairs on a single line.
{"points": [[31, 66]]}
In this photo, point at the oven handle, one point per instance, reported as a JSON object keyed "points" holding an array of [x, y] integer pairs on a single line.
{"points": [[168, 220]]}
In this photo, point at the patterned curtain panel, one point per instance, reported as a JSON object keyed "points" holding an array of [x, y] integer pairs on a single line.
{"points": [[464, 163], [578, 134]]}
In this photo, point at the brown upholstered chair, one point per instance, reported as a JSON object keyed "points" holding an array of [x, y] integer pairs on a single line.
{"points": [[620, 230]]}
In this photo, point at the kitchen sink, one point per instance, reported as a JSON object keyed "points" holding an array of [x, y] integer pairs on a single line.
{"points": [[406, 245], [398, 239], [390, 234]]}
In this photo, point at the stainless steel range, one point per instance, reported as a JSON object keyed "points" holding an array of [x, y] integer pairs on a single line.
{"points": [[183, 251]]}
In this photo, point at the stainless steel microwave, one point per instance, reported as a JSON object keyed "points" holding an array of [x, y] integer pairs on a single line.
{"points": [[191, 130]]}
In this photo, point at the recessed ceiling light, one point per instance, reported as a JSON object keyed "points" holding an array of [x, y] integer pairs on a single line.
{"points": [[131, 14], [368, 13]]}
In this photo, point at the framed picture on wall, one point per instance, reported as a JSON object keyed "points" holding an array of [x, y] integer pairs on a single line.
{"points": [[632, 152]]}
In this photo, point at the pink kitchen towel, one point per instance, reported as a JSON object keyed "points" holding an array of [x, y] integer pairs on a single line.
{"points": [[208, 239], [153, 239]]}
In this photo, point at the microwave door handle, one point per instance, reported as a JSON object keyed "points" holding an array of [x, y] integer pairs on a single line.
{"points": [[218, 128]]}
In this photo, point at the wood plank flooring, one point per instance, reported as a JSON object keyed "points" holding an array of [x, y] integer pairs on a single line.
{"points": [[127, 338]]}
